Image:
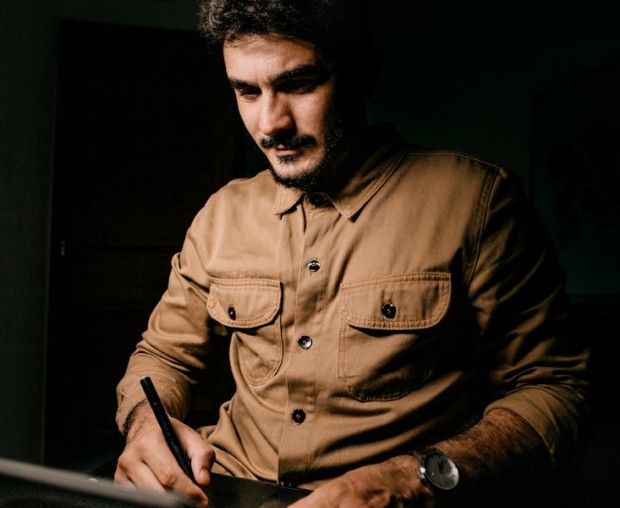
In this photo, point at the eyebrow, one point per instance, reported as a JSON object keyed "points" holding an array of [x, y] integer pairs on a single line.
{"points": [[316, 72]]}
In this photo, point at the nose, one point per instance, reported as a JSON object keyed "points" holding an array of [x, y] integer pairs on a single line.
{"points": [[275, 115]]}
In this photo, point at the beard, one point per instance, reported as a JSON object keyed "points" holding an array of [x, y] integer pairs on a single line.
{"points": [[324, 173]]}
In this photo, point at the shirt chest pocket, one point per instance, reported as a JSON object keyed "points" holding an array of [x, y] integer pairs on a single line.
{"points": [[385, 347], [251, 308]]}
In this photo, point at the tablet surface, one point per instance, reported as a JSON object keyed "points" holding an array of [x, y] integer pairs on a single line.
{"points": [[26, 485]]}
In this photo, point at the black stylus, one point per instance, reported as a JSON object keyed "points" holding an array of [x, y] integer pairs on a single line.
{"points": [[166, 426]]}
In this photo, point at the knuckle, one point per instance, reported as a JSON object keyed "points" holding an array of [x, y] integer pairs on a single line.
{"points": [[167, 477], [122, 464]]}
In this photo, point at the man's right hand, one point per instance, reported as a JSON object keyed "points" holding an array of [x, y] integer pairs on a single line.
{"points": [[148, 463]]}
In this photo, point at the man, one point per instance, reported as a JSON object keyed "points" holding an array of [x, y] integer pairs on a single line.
{"points": [[389, 306]]}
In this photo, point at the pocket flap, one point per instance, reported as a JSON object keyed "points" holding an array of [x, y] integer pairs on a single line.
{"points": [[244, 303], [400, 302]]}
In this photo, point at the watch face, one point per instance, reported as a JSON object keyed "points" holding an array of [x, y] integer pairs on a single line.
{"points": [[440, 470]]}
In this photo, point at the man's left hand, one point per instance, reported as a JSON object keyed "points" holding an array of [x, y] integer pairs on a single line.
{"points": [[394, 483]]}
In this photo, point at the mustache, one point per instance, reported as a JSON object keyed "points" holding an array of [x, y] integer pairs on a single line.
{"points": [[289, 141]]}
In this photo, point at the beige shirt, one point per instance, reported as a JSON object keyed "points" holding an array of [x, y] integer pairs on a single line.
{"points": [[367, 324]]}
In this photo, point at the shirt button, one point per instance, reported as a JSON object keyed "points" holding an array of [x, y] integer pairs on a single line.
{"points": [[314, 265], [304, 342], [388, 310], [316, 199], [232, 313], [298, 416]]}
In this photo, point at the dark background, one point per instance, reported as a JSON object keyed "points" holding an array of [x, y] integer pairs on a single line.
{"points": [[115, 126]]}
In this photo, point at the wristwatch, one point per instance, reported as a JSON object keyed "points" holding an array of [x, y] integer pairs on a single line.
{"points": [[438, 471]]}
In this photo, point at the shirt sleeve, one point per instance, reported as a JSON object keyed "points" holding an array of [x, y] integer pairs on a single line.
{"points": [[174, 350], [536, 366]]}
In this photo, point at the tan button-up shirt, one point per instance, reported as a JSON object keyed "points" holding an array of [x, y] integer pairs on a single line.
{"points": [[366, 324]]}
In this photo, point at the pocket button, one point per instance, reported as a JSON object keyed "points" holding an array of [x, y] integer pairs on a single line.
{"points": [[388, 310]]}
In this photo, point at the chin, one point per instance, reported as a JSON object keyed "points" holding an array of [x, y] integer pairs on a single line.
{"points": [[291, 170], [307, 181]]}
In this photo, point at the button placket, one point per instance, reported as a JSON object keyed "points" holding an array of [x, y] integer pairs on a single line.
{"points": [[313, 271]]}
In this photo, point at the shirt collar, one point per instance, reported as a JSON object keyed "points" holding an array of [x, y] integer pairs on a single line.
{"points": [[386, 148]]}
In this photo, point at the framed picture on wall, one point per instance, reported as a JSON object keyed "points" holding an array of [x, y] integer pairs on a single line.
{"points": [[575, 180]]}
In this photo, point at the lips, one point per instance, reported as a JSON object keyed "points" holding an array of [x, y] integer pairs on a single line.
{"points": [[287, 143], [285, 150]]}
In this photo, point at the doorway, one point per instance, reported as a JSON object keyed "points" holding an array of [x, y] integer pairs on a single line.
{"points": [[146, 130]]}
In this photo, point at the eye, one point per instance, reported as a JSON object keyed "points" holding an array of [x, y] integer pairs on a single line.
{"points": [[247, 92], [298, 86]]}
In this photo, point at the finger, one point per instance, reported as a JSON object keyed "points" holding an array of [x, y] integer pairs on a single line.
{"points": [[200, 453], [171, 476], [140, 476], [155, 468], [314, 501], [132, 470]]}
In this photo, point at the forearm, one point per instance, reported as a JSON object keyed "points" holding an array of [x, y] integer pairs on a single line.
{"points": [[174, 349], [137, 416], [499, 447], [174, 392]]}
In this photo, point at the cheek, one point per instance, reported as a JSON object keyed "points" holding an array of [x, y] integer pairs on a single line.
{"points": [[311, 116]]}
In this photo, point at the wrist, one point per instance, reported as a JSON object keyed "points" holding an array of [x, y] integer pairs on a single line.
{"points": [[136, 418], [437, 470]]}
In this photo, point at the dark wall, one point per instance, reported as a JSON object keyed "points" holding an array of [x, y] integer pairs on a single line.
{"points": [[29, 36], [27, 60], [463, 74], [460, 76]]}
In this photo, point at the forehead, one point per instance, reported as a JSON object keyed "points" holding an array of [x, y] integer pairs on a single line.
{"points": [[266, 55]]}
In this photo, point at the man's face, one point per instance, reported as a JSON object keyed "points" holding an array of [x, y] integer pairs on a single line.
{"points": [[287, 101]]}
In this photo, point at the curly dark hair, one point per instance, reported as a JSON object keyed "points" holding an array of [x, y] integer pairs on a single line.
{"points": [[338, 28]]}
